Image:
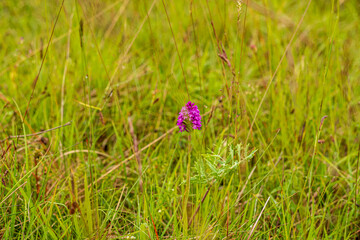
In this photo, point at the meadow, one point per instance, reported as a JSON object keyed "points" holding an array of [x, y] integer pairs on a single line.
{"points": [[90, 95]]}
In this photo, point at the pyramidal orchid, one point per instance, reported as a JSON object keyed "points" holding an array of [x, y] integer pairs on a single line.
{"points": [[189, 116]]}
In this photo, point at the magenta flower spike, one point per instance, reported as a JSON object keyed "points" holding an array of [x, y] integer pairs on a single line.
{"points": [[189, 115]]}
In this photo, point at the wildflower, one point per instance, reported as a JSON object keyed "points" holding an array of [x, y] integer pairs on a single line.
{"points": [[189, 115], [239, 6]]}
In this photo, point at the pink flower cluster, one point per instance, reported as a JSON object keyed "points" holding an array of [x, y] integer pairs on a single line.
{"points": [[189, 114]]}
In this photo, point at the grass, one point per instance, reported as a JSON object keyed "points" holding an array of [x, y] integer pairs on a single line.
{"points": [[280, 77]]}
